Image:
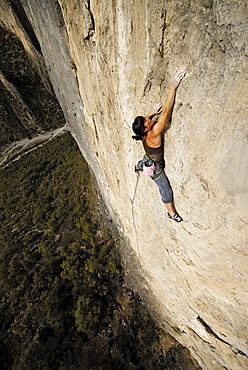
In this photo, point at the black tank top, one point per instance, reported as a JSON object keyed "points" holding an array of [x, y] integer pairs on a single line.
{"points": [[155, 154]]}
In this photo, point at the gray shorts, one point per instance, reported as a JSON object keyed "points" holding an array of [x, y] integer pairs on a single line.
{"points": [[163, 184]]}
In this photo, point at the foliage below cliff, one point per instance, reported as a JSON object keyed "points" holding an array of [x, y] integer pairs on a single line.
{"points": [[64, 303]]}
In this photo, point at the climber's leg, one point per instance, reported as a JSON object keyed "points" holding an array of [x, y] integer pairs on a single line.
{"points": [[165, 190], [164, 187], [171, 209]]}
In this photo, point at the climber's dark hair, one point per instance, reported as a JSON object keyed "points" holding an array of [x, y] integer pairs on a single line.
{"points": [[138, 128]]}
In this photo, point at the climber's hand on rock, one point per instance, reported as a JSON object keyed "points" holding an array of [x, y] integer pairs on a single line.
{"points": [[157, 108], [178, 76]]}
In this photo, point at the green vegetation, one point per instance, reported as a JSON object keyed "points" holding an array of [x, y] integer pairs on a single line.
{"points": [[64, 304]]}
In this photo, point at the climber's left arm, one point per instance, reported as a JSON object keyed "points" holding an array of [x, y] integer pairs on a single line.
{"points": [[155, 110]]}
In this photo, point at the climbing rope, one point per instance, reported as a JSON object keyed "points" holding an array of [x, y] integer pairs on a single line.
{"points": [[133, 218]]}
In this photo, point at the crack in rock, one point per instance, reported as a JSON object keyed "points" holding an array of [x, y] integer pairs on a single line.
{"points": [[210, 331], [90, 21]]}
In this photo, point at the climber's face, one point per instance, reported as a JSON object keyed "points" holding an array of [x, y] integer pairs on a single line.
{"points": [[148, 123]]}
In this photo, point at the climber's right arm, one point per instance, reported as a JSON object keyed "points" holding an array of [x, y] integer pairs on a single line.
{"points": [[168, 104]]}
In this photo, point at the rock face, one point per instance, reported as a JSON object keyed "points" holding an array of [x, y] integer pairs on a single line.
{"points": [[112, 60], [27, 103]]}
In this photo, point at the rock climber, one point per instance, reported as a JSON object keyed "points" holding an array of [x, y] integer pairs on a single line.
{"points": [[150, 133]]}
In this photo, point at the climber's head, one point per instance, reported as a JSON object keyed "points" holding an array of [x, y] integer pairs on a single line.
{"points": [[139, 128]]}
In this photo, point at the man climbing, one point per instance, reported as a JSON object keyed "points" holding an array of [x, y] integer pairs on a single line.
{"points": [[150, 133]]}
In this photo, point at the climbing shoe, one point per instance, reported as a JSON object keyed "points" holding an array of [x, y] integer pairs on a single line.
{"points": [[176, 217]]}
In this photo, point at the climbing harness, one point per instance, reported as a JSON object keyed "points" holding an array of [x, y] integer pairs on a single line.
{"points": [[146, 165]]}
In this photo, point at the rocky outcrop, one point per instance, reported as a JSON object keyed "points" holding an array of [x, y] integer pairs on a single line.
{"points": [[109, 61], [27, 103]]}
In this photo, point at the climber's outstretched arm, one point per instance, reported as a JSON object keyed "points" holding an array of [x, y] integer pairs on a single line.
{"points": [[168, 104]]}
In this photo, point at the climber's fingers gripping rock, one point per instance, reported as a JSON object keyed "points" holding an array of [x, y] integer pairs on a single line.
{"points": [[178, 76], [157, 107]]}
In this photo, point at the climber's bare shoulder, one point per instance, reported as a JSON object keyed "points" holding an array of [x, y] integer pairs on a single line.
{"points": [[153, 140]]}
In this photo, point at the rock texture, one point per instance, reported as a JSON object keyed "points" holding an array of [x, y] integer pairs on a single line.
{"points": [[111, 60], [27, 103]]}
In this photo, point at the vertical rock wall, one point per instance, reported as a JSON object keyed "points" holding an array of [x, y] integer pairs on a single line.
{"points": [[111, 60], [27, 102]]}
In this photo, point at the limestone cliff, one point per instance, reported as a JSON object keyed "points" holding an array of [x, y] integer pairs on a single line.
{"points": [[28, 105], [111, 60]]}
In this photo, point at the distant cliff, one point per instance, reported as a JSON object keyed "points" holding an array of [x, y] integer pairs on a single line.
{"points": [[27, 102], [111, 60]]}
